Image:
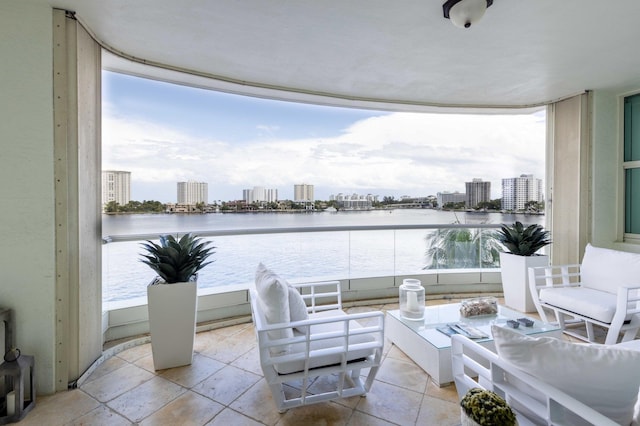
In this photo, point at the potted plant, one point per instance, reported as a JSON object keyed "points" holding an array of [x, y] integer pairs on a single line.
{"points": [[523, 244], [172, 296]]}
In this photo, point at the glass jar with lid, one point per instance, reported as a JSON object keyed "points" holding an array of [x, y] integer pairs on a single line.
{"points": [[412, 299]]}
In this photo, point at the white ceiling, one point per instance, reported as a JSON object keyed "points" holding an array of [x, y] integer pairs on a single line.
{"points": [[522, 53]]}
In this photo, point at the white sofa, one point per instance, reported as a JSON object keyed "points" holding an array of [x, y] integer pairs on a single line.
{"points": [[304, 335], [604, 290], [547, 381]]}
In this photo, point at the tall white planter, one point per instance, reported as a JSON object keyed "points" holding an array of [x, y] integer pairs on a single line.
{"points": [[172, 322], [515, 279]]}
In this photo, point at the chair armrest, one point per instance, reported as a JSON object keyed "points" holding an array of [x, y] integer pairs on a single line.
{"points": [[627, 304], [544, 277], [342, 337]]}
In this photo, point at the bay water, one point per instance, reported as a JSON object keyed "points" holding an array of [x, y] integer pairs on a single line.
{"points": [[315, 255]]}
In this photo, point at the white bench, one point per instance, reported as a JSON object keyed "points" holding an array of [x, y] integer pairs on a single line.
{"points": [[601, 391], [330, 344], [604, 290]]}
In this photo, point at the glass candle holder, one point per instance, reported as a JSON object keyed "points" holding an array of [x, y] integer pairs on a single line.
{"points": [[412, 299]]}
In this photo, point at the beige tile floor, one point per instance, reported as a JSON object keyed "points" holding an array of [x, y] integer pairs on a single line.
{"points": [[225, 386]]}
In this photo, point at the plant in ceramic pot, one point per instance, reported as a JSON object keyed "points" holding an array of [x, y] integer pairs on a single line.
{"points": [[172, 296], [523, 244]]}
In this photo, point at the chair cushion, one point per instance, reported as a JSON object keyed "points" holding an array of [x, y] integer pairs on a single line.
{"points": [[330, 357], [595, 304], [297, 307], [606, 378], [273, 297], [606, 269]]}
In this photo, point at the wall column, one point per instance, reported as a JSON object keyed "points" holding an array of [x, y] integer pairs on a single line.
{"points": [[77, 144], [569, 178]]}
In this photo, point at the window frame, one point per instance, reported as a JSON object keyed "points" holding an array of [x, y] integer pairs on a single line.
{"points": [[627, 165]]}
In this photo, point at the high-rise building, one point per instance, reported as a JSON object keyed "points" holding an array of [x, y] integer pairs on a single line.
{"points": [[260, 194], [477, 192], [450, 197], [116, 186], [192, 192], [516, 192], [303, 192]]}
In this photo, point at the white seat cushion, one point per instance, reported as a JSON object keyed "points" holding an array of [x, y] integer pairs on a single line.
{"points": [[606, 378], [595, 304], [337, 343]]}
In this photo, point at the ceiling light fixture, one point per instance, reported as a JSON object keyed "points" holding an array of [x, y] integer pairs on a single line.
{"points": [[464, 13]]}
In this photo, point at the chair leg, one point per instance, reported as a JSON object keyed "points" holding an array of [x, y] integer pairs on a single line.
{"points": [[590, 334]]}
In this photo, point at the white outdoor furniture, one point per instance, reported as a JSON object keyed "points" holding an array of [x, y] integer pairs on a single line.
{"points": [[603, 290], [431, 349], [329, 348], [547, 381]]}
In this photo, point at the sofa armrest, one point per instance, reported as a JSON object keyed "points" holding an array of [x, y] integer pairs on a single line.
{"points": [[627, 306], [534, 401]]}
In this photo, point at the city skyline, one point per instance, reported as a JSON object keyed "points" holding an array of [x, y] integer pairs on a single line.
{"points": [[165, 133]]}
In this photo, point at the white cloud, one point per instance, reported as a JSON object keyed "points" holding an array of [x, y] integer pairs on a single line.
{"points": [[393, 154]]}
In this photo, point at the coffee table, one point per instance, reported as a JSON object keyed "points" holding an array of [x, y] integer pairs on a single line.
{"points": [[431, 349]]}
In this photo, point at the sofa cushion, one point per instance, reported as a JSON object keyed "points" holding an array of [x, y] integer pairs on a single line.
{"points": [[273, 297], [328, 357], [606, 378], [606, 269], [588, 302]]}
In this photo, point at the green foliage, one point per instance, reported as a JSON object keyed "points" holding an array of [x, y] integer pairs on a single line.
{"points": [[487, 408], [174, 260], [454, 248], [523, 241]]}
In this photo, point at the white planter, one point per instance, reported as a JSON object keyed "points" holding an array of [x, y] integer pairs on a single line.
{"points": [[172, 322], [515, 279]]}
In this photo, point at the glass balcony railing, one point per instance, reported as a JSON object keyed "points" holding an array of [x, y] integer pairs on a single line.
{"points": [[320, 253]]}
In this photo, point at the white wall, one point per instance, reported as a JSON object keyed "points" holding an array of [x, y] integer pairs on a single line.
{"points": [[608, 195], [27, 251]]}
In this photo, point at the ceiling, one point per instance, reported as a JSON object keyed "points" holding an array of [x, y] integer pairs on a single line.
{"points": [[403, 55]]}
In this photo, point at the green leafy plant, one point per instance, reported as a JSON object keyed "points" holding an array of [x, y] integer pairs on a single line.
{"points": [[523, 241], [175, 260], [462, 248], [487, 408]]}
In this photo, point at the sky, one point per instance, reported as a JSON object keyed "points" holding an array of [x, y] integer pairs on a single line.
{"points": [[165, 133]]}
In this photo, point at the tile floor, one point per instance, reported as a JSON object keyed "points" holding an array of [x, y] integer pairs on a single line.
{"points": [[224, 386]]}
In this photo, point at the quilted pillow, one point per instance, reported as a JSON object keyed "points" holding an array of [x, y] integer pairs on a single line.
{"points": [[273, 296], [605, 378]]}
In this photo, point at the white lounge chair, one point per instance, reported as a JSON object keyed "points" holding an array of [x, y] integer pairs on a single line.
{"points": [[329, 345]]}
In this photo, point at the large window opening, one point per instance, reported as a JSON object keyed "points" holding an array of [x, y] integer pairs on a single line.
{"points": [[181, 159]]}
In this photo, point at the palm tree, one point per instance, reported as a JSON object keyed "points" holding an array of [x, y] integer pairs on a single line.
{"points": [[462, 248]]}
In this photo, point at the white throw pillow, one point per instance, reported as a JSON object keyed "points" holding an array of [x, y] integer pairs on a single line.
{"points": [[605, 378], [297, 308], [273, 296]]}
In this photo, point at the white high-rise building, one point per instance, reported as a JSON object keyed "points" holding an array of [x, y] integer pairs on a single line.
{"points": [[477, 192], [447, 197], [303, 192], [260, 194], [516, 192], [116, 186], [192, 192]]}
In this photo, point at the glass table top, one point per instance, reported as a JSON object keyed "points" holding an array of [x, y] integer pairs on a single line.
{"points": [[440, 315]]}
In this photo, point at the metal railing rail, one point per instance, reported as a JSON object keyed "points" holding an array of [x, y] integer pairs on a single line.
{"points": [[296, 230]]}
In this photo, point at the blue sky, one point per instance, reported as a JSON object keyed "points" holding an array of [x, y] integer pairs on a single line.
{"points": [[165, 133]]}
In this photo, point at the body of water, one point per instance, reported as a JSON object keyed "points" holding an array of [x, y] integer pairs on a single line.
{"points": [[318, 255]]}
